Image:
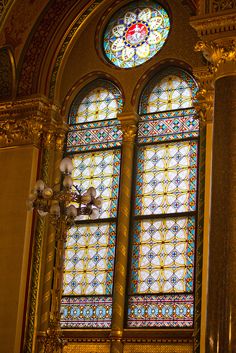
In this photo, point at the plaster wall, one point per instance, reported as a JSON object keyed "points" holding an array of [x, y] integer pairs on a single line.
{"points": [[18, 173]]}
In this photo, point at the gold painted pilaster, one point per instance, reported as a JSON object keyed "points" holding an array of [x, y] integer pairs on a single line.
{"points": [[129, 129], [48, 333], [219, 49], [204, 105], [33, 122]]}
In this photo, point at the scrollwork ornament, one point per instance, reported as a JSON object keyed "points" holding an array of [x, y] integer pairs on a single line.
{"points": [[53, 340], [204, 105], [217, 53], [222, 5], [60, 139], [204, 99], [129, 132], [14, 131]]}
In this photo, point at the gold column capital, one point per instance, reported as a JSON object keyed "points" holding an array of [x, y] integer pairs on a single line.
{"points": [[26, 121], [204, 99], [52, 340], [129, 123], [221, 55]]}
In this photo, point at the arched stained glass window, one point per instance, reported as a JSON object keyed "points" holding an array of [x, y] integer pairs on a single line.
{"points": [[164, 220], [93, 143], [136, 33]]}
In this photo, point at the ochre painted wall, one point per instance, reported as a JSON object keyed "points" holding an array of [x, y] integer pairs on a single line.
{"points": [[18, 173]]}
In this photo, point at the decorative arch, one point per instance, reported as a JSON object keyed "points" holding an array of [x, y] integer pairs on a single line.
{"points": [[161, 277], [93, 143], [7, 74], [86, 80], [30, 65], [153, 71]]}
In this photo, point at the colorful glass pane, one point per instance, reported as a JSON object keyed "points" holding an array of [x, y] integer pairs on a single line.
{"points": [[89, 259], [101, 101], [173, 125], [101, 170], [161, 311], [163, 256], [172, 89], [136, 33], [86, 312], [90, 136], [90, 247], [166, 178]]}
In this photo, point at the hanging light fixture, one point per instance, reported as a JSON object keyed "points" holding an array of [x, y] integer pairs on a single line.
{"points": [[67, 204]]}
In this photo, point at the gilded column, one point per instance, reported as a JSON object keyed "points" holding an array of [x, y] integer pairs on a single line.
{"points": [[221, 301], [204, 105], [49, 308], [129, 128], [51, 338]]}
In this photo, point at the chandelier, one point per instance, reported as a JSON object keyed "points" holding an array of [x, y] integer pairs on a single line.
{"points": [[67, 204]]}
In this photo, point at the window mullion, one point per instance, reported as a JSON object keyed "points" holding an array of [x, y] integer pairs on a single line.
{"points": [[129, 128]]}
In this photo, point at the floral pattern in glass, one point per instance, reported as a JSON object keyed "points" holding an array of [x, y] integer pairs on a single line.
{"points": [[136, 33]]}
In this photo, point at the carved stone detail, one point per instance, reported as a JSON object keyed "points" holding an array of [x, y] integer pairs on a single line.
{"points": [[215, 26], [53, 340], [128, 126], [204, 99], [222, 5], [27, 121], [129, 132], [217, 54]]}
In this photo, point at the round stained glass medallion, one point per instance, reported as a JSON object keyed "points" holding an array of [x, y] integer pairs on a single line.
{"points": [[136, 33]]}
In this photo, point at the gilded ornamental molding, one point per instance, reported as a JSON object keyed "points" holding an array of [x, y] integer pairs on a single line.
{"points": [[53, 340], [27, 121], [214, 25], [217, 54], [128, 126], [204, 100], [223, 5]]}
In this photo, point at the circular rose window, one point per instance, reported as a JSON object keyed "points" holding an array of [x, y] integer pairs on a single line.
{"points": [[136, 33]]}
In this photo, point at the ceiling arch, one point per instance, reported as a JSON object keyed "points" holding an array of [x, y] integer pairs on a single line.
{"points": [[51, 28]]}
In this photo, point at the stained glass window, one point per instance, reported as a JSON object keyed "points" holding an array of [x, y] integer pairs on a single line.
{"points": [[136, 33], [163, 238], [93, 143]]}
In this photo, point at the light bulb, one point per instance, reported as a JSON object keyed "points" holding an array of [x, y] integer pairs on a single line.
{"points": [[85, 198], [94, 214], [71, 211], [67, 182], [42, 213], [66, 166], [47, 193], [91, 191], [98, 202], [39, 186]]}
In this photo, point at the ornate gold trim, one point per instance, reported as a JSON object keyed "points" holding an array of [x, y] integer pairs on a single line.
{"points": [[25, 121], [204, 100], [128, 340], [52, 340], [128, 126], [214, 26], [216, 53]]}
